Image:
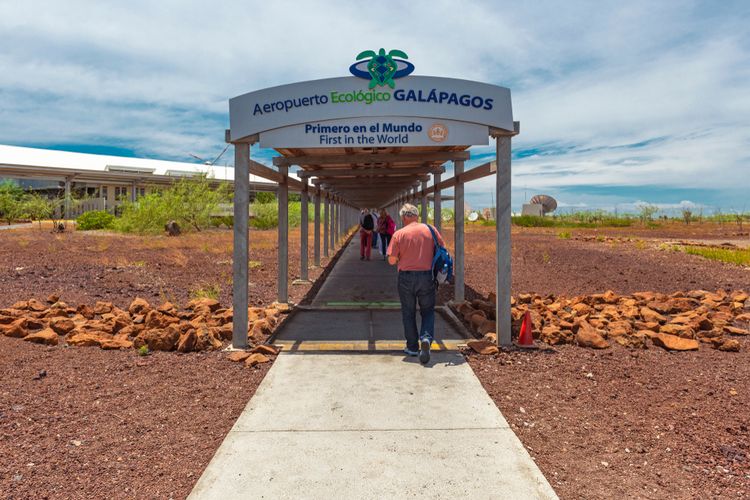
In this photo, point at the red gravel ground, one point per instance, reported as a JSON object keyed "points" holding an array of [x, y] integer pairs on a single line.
{"points": [[83, 266], [544, 263], [111, 424], [629, 424], [667, 425]]}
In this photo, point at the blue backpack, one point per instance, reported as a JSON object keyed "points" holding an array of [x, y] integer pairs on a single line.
{"points": [[442, 263]]}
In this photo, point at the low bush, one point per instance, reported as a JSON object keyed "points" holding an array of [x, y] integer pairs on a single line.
{"points": [[579, 220], [96, 219], [739, 256], [189, 201], [266, 215], [209, 291]]}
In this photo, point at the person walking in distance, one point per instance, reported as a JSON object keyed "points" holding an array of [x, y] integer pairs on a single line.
{"points": [[375, 235], [366, 226], [412, 250], [386, 228]]}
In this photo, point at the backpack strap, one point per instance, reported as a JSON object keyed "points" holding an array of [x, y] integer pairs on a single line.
{"points": [[432, 232]]}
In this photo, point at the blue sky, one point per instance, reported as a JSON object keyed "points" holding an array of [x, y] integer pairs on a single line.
{"points": [[620, 102]]}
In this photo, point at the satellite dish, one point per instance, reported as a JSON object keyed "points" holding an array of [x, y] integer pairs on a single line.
{"points": [[473, 216], [548, 203], [446, 217]]}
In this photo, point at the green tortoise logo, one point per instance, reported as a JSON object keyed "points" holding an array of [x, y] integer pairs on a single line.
{"points": [[382, 67]]}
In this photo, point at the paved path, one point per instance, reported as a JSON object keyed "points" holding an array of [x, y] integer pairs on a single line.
{"points": [[368, 425], [15, 226], [371, 426], [354, 280], [358, 309]]}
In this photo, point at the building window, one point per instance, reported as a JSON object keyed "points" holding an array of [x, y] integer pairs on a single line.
{"points": [[104, 192], [121, 192]]}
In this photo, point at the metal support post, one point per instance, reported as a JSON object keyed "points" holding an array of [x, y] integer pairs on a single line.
{"points": [[458, 294], [283, 198], [502, 243], [316, 229], [334, 236], [304, 230], [336, 212], [240, 255], [438, 209], [424, 202], [66, 205], [326, 223]]}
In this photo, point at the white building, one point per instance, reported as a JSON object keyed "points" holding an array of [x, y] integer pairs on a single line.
{"points": [[105, 181]]}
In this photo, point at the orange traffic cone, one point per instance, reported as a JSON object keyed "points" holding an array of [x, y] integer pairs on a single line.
{"points": [[525, 339]]}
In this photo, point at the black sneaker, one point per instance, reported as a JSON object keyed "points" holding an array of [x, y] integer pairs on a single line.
{"points": [[424, 350]]}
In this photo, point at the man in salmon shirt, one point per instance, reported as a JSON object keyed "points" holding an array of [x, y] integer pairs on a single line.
{"points": [[412, 249]]}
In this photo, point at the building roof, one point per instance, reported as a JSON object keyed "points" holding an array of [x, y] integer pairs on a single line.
{"points": [[44, 163]]}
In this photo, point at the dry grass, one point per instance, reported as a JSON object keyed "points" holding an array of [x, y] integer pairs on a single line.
{"points": [[737, 256], [178, 258], [209, 291]]}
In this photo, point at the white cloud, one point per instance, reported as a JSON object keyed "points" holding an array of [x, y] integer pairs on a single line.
{"points": [[586, 77]]}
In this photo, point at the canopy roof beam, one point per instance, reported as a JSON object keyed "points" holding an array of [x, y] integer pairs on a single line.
{"points": [[369, 158], [369, 171]]}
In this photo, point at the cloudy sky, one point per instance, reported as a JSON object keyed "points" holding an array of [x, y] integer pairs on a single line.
{"points": [[619, 102]]}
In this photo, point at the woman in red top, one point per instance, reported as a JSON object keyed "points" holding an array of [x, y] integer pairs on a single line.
{"points": [[386, 228]]}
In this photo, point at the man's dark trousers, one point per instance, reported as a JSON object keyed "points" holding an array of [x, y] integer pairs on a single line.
{"points": [[417, 287]]}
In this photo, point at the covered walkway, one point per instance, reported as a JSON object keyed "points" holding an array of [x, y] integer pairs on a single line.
{"points": [[372, 424], [357, 308], [378, 425], [346, 148]]}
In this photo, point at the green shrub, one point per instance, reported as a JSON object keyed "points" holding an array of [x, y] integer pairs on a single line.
{"points": [[11, 201], [222, 220], [533, 221], [265, 197], [266, 215], [146, 216], [37, 207], [96, 219], [189, 201], [576, 220]]}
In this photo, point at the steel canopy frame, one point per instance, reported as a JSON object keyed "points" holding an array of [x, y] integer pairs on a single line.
{"points": [[348, 178]]}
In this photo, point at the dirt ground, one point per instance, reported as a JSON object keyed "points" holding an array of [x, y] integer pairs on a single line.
{"points": [[544, 263], [86, 266], [629, 424], [104, 423], [111, 424]]}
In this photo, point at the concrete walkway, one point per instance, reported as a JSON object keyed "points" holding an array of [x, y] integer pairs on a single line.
{"points": [[371, 426], [368, 424], [357, 309], [16, 226], [354, 280]]}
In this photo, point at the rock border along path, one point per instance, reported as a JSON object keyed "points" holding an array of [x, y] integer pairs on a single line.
{"points": [[364, 425], [371, 426]]}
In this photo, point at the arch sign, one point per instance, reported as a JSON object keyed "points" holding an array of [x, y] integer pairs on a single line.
{"points": [[381, 104]]}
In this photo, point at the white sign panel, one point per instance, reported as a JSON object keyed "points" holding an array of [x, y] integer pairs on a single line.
{"points": [[350, 97], [380, 131]]}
